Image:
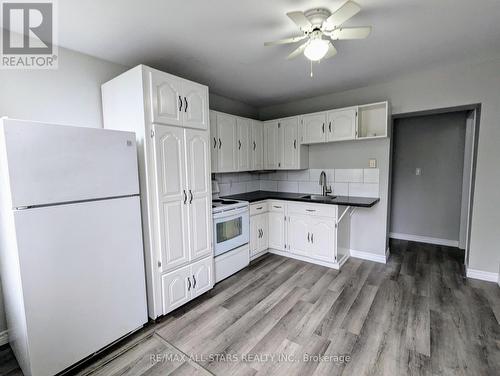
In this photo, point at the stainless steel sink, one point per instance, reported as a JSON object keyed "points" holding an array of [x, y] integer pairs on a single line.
{"points": [[319, 197]]}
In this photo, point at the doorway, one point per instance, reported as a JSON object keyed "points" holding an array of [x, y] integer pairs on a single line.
{"points": [[432, 175]]}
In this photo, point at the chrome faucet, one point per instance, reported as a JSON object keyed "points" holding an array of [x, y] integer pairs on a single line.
{"points": [[322, 181]]}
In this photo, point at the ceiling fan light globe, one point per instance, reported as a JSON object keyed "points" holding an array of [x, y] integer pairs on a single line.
{"points": [[316, 49]]}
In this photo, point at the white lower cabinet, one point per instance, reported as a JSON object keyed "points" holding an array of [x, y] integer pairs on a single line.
{"points": [[277, 231], [322, 244], [298, 234], [186, 283], [258, 234]]}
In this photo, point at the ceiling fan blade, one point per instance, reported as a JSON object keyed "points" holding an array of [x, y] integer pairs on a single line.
{"points": [[341, 15], [297, 51], [300, 20], [285, 41], [332, 51], [350, 33]]}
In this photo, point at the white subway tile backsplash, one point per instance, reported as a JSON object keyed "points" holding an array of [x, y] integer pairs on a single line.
{"points": [[309, 187], [314, 174], [268, 185], [253, 185], [280, 175], [288, 186], [238, 187], [330, 175], [348, 175], [340, 189], [363, 190], [371, 175], [244, 176], [300, 175], [225, 189]]}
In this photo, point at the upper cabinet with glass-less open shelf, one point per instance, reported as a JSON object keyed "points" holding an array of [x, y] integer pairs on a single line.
{"points": [[363, 122]]}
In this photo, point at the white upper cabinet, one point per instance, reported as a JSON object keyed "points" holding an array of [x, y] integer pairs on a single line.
{"points": [[314, 128], [226, 137], [175, 101], [195, 110], [244, 138], [257, 146], [290, 144], [271, 145], [342, 125], [166, 98]]}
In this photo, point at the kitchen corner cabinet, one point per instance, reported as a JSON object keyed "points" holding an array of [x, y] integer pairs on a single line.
{"points": [[170, 118]]}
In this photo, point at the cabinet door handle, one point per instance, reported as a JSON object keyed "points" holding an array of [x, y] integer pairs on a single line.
{"points": [[259, 208], [308, 237], [180, 103], [330, 127], [312, 237], [295, 144], [194, 282], [276, 206], [220, 143], [185, 196], [310, 210], [189, 284], [323, 127], [185, 104], [239, 144], [215, 143], [190, 196], [254, 145]]}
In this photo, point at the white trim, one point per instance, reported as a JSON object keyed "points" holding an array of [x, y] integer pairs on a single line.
{"points": [[483, 276], [369, 256], [424, 239], [334, 265], [4, 338]]}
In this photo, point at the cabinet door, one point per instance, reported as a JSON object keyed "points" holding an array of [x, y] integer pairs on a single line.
{"points": [[322, 240], [257, 146], [202, 276], [299, 237], [270, 142], [341, 125], [276, 233], [171, 195], [166, 98], [254, 234], [226, 134], [264, 239], [175, 288], [199, 193], [289, 128], [314, 128], [214, 147], [195, 105], [243, 143]]}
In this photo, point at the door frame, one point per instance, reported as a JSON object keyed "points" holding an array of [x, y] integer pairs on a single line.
{"points": [[474, 108]]}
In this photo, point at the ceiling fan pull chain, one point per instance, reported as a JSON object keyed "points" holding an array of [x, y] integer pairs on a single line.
{"points": [[312, 75]]}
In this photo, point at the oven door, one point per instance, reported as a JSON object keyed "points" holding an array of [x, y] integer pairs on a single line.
{"points": [[231, 230]]}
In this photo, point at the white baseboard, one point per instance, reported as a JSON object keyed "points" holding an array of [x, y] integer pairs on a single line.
{"points": [[483, 276], [424, 239], [370, 256], [4, 338]]}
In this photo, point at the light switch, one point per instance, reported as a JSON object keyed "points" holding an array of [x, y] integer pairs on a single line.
{"points": [[372, 163], [418, 171]]}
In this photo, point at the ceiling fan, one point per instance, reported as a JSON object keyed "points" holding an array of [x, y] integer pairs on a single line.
{"points": [[320, 27]]}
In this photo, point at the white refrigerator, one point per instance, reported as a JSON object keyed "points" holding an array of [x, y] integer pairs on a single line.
{"points": [[70, 240]]}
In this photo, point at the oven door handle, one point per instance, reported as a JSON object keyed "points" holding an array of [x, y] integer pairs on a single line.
{"points": [[231, 213]]}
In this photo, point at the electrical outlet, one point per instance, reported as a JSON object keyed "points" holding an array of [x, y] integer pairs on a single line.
{"points": [[372, 163]]}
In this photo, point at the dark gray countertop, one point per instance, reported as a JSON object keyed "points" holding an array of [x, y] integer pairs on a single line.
{"points": [[363, 202]]}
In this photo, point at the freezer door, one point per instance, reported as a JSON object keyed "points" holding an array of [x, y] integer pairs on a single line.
{"points": [[82, 272], [53, 163]]}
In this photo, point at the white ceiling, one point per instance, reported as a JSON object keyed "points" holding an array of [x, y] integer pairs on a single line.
{"points": [[220, 42]]}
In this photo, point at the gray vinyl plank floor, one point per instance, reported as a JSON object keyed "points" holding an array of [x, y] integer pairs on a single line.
{"points": [[415, 315]]}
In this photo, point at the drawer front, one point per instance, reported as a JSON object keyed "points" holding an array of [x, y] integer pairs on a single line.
{"points": [[276, 206], [320, 210], [259, 208]]}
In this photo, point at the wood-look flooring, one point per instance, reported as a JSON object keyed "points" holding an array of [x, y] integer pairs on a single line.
{"points": [[416, 315]]}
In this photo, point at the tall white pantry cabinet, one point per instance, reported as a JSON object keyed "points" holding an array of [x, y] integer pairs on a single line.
{"points": [[171, 120]]}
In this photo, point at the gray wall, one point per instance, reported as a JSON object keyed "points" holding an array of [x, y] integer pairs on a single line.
{"points": [[429, 204], [233, 107], [446, 86]]}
